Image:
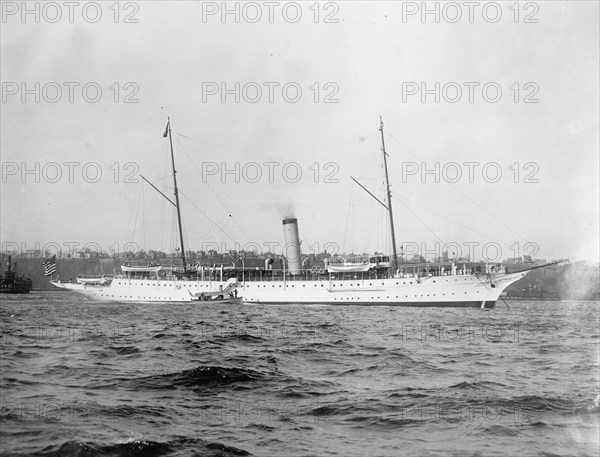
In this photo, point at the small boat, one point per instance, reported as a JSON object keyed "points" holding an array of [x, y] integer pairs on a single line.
{"points": [[229, 300], [98, 280], [372, 263], [141, 268], [348, 268], [226, 294]]}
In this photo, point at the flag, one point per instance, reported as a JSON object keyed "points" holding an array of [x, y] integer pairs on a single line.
{"points": [[166, 131], [50, 266]]}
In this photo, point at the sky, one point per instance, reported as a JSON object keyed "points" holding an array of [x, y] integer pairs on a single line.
{"points": [[490, 121]]}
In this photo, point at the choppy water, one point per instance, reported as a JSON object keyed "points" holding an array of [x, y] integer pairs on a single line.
{"points": [[81, 378]]}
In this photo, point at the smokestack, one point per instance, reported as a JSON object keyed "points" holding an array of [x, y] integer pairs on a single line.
{"points": [[291, 249]]}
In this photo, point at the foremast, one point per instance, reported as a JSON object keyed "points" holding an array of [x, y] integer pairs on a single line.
{"points": [[394, 265], [388, 206], [176, 192], [168, 131]]}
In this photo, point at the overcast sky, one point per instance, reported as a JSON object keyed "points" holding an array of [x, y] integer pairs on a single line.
{"points": [[352, 63]]}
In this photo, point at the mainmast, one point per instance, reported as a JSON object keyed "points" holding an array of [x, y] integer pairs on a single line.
{"points": [[389, 199], [168, 131]]}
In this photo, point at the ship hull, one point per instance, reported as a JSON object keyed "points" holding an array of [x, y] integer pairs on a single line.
{"points": [[15, 287], [143, 290], [434, 291]]}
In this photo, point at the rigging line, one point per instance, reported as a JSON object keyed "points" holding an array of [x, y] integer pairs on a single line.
{"points": [[143, 220], [505, 225], [162, 225], [213, 191], [472, 201], [451, 220], [132, 212], [182, 135], [494, 217], [163, 228], [174, 246], [137, 210], [419, 219], [387, 133], [222, 228], [346, 229], [353, 228], [212, 228], [207, 216], [363, 139], [216, 145], [187, 239]]}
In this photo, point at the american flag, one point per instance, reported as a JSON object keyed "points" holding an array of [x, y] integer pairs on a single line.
{"points": [[50, 266]]}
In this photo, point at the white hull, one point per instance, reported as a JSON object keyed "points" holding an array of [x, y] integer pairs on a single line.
{"points": [[450, 291], [143, 290]]}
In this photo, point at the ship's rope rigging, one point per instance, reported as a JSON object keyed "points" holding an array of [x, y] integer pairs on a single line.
{"points": [[166, 188], [215, 194], [139, 202], [401, 198], [377, 236], [349, 215], [456, 189], [216, 225]]}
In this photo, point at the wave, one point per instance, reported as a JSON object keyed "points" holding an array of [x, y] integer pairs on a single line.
{"points": [[125, 350], [202, 376], [477, 385], [139, 448]]}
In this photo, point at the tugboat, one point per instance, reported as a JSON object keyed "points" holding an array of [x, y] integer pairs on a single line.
{"points": [[10, 284]]}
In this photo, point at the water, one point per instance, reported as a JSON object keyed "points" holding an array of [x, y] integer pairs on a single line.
{"points": [[81, 378]]}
